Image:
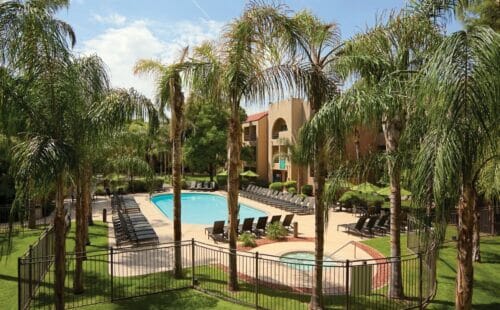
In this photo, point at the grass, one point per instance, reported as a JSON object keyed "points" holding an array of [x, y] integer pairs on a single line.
{"points": [[8, 264], [486, 273]]}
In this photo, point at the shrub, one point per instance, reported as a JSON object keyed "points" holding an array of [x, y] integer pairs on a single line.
{"points": [[291, 190], [99, 191], [276, 231], [307, 190], [277, 186], [261, 183], [221, 180], [138, 186], [290, 184], [247, 239]]}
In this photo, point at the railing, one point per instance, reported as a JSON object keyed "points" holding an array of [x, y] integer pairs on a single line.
{"points": [[343, 247], [265, 281]]}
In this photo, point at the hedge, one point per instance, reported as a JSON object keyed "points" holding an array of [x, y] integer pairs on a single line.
{"points": [[307, 190], [277, 186], [289, 184]]}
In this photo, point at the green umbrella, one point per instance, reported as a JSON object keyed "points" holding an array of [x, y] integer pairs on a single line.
{"points": [[366, 187], [223, 173], [386, 191], [249, 174]]}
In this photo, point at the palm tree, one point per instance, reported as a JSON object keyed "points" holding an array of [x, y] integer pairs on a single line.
{"points": [[459, 90], [169, 89], [36, 44], [236, 70], [385, 59]]}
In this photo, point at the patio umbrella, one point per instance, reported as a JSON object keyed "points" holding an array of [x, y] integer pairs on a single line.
{"points": [[249, 174], [223, 173], [366, 187], [386, 191]]}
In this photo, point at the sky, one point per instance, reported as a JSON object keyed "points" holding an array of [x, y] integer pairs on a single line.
{"points": [[124, 31]]}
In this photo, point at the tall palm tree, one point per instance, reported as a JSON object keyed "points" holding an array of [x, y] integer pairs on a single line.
{"points": [[385, 59], [459, 89], [169, 89], [236, 70], [36, 44]]}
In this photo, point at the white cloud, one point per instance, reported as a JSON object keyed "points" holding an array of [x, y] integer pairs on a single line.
{"points": [[121, 47], [113, 19]]}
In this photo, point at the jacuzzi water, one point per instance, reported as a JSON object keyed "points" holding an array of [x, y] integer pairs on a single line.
{"points": [[202, 208], [303, 260]]}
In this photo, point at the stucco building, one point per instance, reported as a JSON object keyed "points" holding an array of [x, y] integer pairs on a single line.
{"points": [[268, 136]]}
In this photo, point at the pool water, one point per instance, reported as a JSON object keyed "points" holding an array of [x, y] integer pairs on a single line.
{"points": [[303, 260], [202, 208]]}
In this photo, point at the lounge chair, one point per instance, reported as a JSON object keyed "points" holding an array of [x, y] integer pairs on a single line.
{"points": [[287, 221], [260, 227], [380, 226], [226, 227], [247, 225], [275, 219], [358, 226], [217, 232]]}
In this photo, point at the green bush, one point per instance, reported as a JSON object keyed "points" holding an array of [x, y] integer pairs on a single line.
{"points": [[291, 190], [289, 184], [138, 186], [307, 190], [247, 239], [277, 186], [276, 231], [100, 191], [221, 180]]}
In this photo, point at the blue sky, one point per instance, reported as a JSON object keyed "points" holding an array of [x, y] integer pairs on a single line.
{"points": [[123, 31]]}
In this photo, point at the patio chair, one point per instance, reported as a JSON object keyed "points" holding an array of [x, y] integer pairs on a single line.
{"points": [[217, 232], [287, 221], [247, 225], [275, 219], [260, 227], [358, 226], [380, 225], [226, 227]]}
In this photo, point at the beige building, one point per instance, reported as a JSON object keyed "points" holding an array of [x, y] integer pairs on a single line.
{"points": [[269, 135]]}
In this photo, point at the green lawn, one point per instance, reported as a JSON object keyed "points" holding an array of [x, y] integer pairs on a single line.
{"points": [[8, 264], [486, 274]]}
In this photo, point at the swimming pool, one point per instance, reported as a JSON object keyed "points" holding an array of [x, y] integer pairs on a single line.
{"points": [[202, 208]]}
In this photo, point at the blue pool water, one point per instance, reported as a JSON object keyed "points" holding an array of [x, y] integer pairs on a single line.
{"points": [[303, 260], [198, 208]]}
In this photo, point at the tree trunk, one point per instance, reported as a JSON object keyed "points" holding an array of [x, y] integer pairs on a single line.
{"points": [[80, 215], [176, 123], [392, 130], [476, 239], [465, 269], [233, 185], [211, 171], [31, 214], [87, 205], [59, 244], [319, 216]]}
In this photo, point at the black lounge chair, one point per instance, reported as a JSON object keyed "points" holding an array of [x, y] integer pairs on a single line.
{"points": [[247, 225], [287, 221], [275, 219], [226, 227], [358, 226], [260, 227], [217, 232]]}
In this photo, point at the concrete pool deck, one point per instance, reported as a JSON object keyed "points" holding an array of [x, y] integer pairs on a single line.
{"points": [[333, 239]]}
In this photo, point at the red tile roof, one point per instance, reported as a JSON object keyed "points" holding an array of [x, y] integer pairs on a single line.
{"points": [[256, 116]]}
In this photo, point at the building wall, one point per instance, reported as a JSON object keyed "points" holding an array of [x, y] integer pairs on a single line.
{"points": [[260, 143]]}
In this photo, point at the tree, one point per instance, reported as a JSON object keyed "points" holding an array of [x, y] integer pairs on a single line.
{"points": [[169, 91], [206, 135], [36, 44], [385, 58], [459, 90]]}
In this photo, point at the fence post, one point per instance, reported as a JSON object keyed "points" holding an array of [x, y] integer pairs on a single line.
{"points": [[111, 254], [192, 263], [347, 290], [256, 280], [30, 271], [420, 281], [19, 285]]}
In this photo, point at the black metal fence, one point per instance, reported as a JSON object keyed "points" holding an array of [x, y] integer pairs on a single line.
{"points": [[17, 221], [265, 282]]}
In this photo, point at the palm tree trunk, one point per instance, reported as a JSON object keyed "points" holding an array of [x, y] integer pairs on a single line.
{"points": [[465, 269], [87, 204], [233, 185], [476, 239], [80, 237], [177, 116], [392, 134], [319, 216], [60, 244]]}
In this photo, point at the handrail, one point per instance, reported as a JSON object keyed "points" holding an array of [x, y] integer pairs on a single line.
{"points": [[343, 246]]}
